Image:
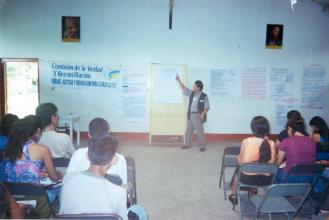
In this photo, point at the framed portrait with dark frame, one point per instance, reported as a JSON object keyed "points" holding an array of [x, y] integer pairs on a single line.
{"points": [[70, 29], [274, 36]]}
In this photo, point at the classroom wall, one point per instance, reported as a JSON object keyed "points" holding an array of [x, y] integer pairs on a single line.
{"points": [[206, 34]]}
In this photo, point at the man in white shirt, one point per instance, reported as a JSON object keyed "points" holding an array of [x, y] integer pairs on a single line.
{"points": [[59, 144], [89, 191], [80, 161]]}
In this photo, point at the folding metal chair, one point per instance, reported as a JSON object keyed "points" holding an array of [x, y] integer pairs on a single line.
{"points": [[22, 190], [111, 216], [131, 177], [318, 198], [256, 168], [277, 199], [229, 159], [302, 173]]}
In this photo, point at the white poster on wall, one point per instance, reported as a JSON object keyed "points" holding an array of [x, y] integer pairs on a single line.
{"points": [[281, 83], [253, 82], [313, 87], [135, 95], [166, 89], [223, 83]]}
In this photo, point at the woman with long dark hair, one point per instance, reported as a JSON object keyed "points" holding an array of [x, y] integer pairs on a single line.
{"points": [[25, 159], [320, 135]]}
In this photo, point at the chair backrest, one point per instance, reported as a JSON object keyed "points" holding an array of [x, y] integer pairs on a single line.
{"points": [[61, 162], [110, 216], [21, 190], [259, 168], [26, 189], [232, 150], [314, 170], [115, 179], [295, 190], [130, 164], [288, 189]]}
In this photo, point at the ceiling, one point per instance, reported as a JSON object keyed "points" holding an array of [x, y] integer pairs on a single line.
{"points": [[324, 3]]}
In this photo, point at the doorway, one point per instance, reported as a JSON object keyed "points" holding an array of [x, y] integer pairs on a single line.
{"points": [[20, 86]]}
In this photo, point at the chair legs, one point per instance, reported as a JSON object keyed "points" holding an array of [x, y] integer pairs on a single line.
{"points": [[221, 175]]}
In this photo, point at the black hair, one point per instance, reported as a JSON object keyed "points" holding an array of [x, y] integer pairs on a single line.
{"points": [[6, 124], [98, 127], [293, 113], [44, 112], [264, 152], [22, 131], [320, 126], [199, 84], [260, 126], [297, 125], [101, 150]]}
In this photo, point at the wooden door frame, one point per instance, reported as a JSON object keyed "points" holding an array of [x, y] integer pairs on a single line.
{"points": [[3, 80]]}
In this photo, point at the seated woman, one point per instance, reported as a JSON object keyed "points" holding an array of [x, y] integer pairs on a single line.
{"points": [[257, 148], [24, 158], [320, 135], [297, 149], [5, 127]]}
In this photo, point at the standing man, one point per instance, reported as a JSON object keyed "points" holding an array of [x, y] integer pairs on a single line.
{"points": [[198, 107]]}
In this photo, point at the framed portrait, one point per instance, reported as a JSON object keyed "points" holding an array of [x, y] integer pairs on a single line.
{"points": [[70, 29], [274, 36]]}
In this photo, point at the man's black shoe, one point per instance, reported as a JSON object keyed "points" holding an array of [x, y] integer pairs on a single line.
{"points": [[185, 147], [202, 149]]}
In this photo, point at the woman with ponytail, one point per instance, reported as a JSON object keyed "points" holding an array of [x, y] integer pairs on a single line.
{"points": [[257, 148], [296, 149]]}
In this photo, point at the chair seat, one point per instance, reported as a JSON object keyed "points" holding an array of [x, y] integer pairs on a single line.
{"points": [[273, 204]]}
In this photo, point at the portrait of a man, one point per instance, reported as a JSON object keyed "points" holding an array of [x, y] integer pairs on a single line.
{"points": [[70, 29], [274, 36]]}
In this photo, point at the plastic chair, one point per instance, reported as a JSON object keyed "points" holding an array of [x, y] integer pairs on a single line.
{"points": [[277, 199], [21, 190], [131, 177], [229, 159], [111, 216], [257, 168]]}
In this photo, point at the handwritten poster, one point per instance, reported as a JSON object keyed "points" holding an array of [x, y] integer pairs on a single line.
{"points": [[313, 87], [281, 83], [166, 88], [282, 107], [134, 94], [253, 82], [223, 83]]}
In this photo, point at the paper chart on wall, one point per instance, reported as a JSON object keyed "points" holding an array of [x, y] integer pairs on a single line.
{"points": [[282, 107], [166, 88], [281, 83], [223, 83], [253, 82], [313, 87], [281, 90], [134, 96]]}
